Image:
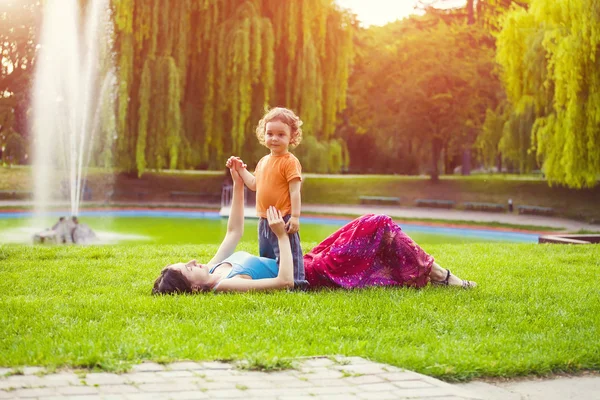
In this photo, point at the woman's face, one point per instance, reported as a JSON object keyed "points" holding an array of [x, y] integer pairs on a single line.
{"points": [[196, 274]]}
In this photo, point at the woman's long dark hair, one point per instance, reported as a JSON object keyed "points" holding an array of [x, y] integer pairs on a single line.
{"points": [[171, 281]]}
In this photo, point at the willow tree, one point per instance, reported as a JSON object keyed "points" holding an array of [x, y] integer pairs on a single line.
{"points": [[486, 13], [315, 41], [487, 143], [549, 56], [515, 143], [490, 13], [196, 75], [314, 50], [124, 46]]}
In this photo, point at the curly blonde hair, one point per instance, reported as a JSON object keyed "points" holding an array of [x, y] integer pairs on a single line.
{"points": [[286, 116]]}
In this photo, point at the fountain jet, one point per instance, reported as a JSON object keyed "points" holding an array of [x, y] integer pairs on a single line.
{"points": [[74, 81]]}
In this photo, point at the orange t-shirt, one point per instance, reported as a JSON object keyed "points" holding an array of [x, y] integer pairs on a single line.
{"points": [[273, 175]]}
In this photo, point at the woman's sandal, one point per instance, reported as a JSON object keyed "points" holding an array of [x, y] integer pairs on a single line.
{"points": [[465, 284]]}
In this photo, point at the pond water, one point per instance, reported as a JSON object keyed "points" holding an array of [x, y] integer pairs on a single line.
{"points": [[197, 227]]}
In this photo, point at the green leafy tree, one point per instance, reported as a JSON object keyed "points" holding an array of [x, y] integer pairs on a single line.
{"points": [[428, 92], [486, 13], [15, 149], [7, 117], [549, 54], [196, 76], [515, 143], [487, 143], [19, 21]]}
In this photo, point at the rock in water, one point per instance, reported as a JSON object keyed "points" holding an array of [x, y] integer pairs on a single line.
{"points": [[67, 231]]}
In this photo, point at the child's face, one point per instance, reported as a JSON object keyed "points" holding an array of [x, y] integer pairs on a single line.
{"points": [[277, 137]]}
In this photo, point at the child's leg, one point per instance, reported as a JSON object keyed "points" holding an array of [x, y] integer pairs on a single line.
{"points": [[300, 281], [268, 246], [265, 240]]}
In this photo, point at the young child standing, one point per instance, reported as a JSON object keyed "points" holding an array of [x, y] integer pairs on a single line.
{"points": [[277, 180]]}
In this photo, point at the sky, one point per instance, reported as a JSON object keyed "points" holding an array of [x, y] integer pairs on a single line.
{"points": [[380, 12]]}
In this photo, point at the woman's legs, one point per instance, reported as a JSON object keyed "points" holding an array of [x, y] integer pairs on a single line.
{"points": [[439, 275]]}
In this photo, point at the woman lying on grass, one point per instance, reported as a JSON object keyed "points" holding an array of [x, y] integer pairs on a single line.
{"points": [[372, 250]]}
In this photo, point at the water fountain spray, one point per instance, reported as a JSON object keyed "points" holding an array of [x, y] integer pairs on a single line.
{"points": [[74, 76]]}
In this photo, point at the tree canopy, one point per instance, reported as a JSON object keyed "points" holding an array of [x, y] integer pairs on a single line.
{"points": [[19, 21], [550, 59], [515, 80], [429, 90], [196, 76]]}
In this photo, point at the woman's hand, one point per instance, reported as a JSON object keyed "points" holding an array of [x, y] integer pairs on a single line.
{"points": [[276, 222], [237, 179]]}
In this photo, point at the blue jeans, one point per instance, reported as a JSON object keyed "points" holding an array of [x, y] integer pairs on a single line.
{"points": [[268, 246]]}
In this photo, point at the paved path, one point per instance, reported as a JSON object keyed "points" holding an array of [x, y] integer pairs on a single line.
{"points": [[563, 388], [348, 378], [459, 215], [317, 378]]}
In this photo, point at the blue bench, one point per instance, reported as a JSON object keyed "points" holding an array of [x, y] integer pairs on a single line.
{"points": [[494, 207], [379, 200], [205, 195], [125, 194], [15, 194], [434, 203], [535, 210]]}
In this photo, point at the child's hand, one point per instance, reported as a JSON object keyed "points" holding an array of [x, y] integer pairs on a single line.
{"points": [[234, 162], [293, 225], [240, 163]]}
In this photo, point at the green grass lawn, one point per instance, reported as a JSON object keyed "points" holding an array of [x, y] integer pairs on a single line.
{"points": [[536, 311]]}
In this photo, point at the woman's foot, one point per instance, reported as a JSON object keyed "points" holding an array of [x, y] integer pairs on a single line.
{"points": [[451, 280]]}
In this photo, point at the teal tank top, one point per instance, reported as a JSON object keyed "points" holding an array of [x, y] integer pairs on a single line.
{"points": [[243, 263]]}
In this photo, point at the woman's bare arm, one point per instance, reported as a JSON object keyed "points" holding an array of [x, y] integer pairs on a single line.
{"points": [[235, 223]]}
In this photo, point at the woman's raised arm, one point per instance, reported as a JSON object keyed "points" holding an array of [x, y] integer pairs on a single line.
{"points": [[235, 223]]}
